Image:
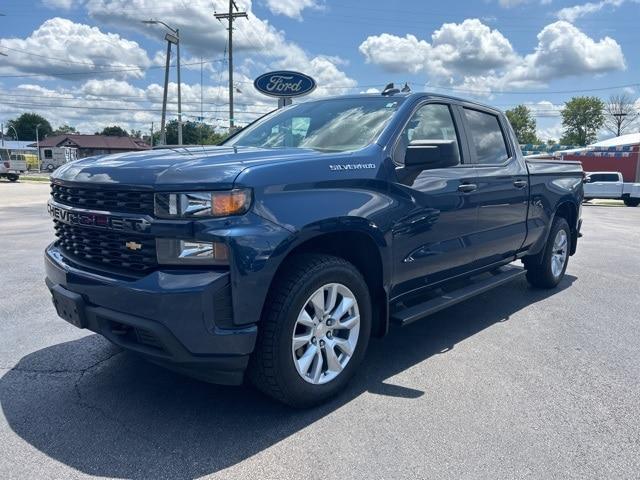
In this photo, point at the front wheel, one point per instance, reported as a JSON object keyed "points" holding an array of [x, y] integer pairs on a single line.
{"points": [[546, 269], [314, 332], [12, 177], [631, 202]]}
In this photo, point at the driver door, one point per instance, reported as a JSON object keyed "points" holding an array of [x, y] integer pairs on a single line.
{"points": [[439, 212]]}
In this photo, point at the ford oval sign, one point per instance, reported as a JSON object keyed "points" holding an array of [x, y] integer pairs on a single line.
{"points": [[285, 84]]}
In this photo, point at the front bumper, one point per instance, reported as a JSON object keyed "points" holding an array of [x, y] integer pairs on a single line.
{"points": [[177, 318]]}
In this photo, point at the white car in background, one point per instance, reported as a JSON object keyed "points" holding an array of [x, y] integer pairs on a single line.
{"points": [[611, 185]]}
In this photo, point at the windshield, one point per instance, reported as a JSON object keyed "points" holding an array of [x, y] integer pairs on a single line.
{"points": [[331, 125]]}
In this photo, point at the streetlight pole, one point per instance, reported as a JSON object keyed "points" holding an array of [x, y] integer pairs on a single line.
{"points": [[173, 37], [163, 129], [179, 93]]}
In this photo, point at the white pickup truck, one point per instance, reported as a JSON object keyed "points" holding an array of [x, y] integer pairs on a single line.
{"points": [[11, 166], [611, 185]]}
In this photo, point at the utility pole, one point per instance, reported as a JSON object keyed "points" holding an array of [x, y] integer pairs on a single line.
{"points": [[231, 16], [151, 138], [38, 147]]}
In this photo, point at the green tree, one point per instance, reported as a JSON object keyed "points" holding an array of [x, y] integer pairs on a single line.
{"points": [[193, 133], [113, 131], [25, 126], [523, 123], [582, 118], [64, 130]]}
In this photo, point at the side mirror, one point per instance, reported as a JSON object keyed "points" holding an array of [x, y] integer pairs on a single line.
{"points": [[431, 154]]}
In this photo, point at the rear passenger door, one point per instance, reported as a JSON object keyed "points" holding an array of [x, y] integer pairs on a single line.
{"points": [[503, 188]]}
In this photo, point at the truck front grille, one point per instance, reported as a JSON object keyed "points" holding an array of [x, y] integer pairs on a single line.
{"points": [[120, 251], [122, 201]]}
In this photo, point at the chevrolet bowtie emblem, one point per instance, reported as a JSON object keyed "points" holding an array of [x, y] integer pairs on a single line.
{"points": [[133, 245]]}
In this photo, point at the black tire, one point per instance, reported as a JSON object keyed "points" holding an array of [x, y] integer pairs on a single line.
{"points": [[50, 168], [272, 369], [12, 177], [631, 202], [539, 267]]}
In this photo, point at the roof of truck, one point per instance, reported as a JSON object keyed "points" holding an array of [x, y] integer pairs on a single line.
{"points": [[408, 95]]}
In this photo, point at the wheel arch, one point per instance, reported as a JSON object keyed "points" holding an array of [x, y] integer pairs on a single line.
{"points": [[358, 244], [569, 211]]}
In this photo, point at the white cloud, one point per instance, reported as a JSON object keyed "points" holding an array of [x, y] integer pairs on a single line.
{"points": [[571, 14], [110, 88], [60, 46], [456, 48], [97, 103], [563, 50], [396, 54], [60, 4], [471, 56], [202, 34], [292, 8]]}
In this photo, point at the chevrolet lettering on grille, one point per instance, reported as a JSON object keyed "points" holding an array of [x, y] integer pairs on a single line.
{"points": [[86, 218]]}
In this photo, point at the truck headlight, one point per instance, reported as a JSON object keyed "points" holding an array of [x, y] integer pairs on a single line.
{"points": [[173, 251], [203, 204]]}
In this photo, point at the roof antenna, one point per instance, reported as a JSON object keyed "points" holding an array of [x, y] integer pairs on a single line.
{"points": [[406, 88], [390, 89]]}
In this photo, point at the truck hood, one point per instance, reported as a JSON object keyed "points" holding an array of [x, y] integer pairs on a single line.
{"points": [[181, 167]]}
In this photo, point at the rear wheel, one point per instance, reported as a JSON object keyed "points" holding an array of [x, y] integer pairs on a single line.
{"points": [[631, 202], [314, 331], [12, 177], [546, 269]]}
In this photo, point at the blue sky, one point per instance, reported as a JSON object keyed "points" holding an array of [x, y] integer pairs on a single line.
{"points": [[90, 63]]}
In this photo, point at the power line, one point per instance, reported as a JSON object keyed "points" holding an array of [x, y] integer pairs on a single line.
{"points": [[532, 92], [94, 72], [120, 100], [44, 105]]}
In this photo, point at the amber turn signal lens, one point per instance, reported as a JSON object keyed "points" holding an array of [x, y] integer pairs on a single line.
{"points": [[235, 202]]}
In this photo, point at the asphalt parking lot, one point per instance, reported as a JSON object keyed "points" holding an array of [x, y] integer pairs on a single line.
{"points": [[517, 383]]}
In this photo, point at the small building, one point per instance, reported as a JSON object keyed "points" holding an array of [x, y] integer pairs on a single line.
{"points": [[90, 145]]}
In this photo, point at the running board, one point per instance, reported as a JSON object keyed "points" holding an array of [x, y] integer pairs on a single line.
{"points": [[446, 299]]}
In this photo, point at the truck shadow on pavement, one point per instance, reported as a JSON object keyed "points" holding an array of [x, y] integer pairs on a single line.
{"points": [[108, 413]]}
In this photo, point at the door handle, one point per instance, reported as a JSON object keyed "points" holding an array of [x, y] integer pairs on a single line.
{"points": [[520, 183], [467, 187]]}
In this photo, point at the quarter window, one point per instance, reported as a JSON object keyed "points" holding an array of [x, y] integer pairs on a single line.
{"points": [[486, 137], [430, 122]]}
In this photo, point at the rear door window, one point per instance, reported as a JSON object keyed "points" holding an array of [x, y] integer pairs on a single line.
{"points": [[487, 137], [604, 177]]}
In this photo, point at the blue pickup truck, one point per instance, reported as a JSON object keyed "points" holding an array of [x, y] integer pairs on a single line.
{"points": [[277, 255]]}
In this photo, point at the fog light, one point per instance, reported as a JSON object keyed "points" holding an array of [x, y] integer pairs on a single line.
{"points": [[188, 252]]}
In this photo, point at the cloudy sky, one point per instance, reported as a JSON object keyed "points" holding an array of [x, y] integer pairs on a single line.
{"points": [[90, 63]]}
